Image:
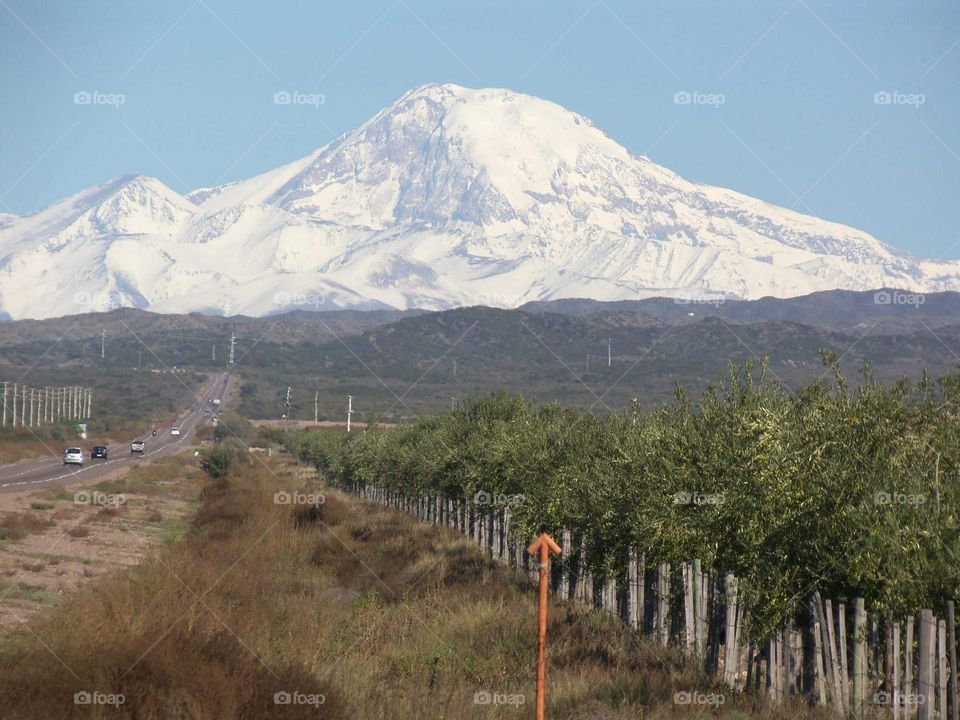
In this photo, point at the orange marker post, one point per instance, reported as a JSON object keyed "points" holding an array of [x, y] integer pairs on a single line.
{"points": [[542, 546]]}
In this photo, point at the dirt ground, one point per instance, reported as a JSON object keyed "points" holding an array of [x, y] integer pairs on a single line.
{"points": [[53, 540]]}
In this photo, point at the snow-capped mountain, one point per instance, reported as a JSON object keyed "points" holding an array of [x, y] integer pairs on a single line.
{"points": [[449, 196]]}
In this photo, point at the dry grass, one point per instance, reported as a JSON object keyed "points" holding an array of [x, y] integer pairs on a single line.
{"points": [[383, 617], [16, 526]]}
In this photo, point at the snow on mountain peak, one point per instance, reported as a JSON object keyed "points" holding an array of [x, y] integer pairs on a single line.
{"points": [[448, 196]]}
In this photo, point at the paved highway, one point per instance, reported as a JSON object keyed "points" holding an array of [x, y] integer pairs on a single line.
{"points": [[50, 471]]}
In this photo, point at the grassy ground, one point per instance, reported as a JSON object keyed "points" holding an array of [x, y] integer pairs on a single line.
{"points": [[376, 615]]}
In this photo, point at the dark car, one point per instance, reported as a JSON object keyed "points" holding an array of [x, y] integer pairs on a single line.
{"points": [[98, 451]]}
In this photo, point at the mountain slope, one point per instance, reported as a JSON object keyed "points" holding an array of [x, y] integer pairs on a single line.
{"points": [[449, 196]]}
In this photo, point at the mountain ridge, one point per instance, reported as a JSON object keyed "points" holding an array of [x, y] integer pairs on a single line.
{"points": [[447, 197]]}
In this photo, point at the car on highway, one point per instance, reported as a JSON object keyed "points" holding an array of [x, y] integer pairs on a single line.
{"points": [[175, 431], [98, 452], [136, 447], [73, 456]]}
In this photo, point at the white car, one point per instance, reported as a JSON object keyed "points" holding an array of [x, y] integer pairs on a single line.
{"points": [[73, 456], [175, 431]]}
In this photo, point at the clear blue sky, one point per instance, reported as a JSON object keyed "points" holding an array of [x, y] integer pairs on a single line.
{"points": [[798, 127]]}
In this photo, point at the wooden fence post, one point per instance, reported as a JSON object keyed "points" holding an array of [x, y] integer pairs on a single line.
{"points": [[844, 676], [833, 661], [952, 654], [925, 669], [816, 629], [859, 657], [731, 653], [942, 667], [908, 690], [634, 589], [894, 688], [663, 603], [689, 619], [610, 595]]}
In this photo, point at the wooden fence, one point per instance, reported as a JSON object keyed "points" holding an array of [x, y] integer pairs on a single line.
{"points": [[861, 664]]}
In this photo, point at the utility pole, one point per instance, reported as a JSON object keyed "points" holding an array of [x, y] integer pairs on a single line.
{"points": [[454, 367], [139, 358], [14, 423], [453, 403], [233, 344], [103, 344], [213, 353], [4, 424], [23, 406], [316, 407], [287, 414], [349, 410], [609, 355], [33, 405]]}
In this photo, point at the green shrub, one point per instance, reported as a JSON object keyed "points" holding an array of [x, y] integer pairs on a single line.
{"points": [[218, 461]]}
